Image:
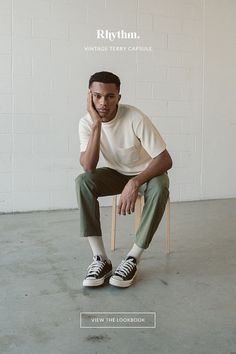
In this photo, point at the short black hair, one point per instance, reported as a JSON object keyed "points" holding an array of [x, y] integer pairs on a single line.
{"points": [[105, 77]]}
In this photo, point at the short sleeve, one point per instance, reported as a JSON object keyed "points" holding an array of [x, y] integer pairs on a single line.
{"points": [[84, 134], [149, 137]]}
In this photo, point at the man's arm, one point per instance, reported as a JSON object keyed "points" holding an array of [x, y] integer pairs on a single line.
{"points": [[89, 158], [157, 167]]}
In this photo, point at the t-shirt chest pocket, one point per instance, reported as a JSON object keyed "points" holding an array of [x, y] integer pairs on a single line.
{"points": [[128, 156]]}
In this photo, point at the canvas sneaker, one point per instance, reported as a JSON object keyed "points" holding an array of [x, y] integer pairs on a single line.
{"points": [[125, 273], [98, 271]]}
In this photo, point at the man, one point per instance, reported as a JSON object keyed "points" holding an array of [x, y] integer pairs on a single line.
{"points": [[135, 157]]}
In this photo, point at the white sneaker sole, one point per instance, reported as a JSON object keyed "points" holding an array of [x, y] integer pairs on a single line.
{"points": [[96, 282], [121, 283]]}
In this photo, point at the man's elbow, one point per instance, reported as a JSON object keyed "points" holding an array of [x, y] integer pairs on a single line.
{"points": [[89, 170], [167, 160], [86, 166], [169, 163]]}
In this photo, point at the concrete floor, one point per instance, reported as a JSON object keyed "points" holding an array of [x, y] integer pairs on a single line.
{"points": [[193, 291]]}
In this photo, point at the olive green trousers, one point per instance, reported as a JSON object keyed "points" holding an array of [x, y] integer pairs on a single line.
{"points": [[105, 182]]}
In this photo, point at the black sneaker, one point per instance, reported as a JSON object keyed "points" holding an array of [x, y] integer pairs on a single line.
{"points": [[98, 271], [125, 273]]}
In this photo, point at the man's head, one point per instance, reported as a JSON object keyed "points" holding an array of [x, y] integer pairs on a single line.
{"points": [[106, 78], [105, 88]]}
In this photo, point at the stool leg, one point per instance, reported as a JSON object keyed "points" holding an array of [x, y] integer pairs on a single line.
{"points": [[142, 203], [168, 226], [113, 223], [138, 212]]}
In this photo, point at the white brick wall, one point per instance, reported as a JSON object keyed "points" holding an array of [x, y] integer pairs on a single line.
{"points": [[44, 72]]}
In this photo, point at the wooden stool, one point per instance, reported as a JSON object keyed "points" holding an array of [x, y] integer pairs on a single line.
{"points": [[138, 212]]}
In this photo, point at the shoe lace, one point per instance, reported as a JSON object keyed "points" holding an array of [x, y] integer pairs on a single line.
{"points": [[125, 267], [95, 267]]}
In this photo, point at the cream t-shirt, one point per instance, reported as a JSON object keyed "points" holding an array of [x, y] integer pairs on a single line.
{"points": [[128, 142]]}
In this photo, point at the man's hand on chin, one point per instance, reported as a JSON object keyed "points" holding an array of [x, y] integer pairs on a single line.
{"points": [[97, 120]]}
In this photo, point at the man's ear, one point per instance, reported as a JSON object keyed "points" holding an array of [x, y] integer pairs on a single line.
{"points": [[119, 98]]}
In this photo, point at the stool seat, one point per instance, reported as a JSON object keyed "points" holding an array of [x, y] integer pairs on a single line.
{"points": [[138, 212]]}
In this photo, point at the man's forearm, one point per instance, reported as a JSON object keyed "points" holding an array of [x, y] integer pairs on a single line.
{"points": [[90, 157], [157, 167]]}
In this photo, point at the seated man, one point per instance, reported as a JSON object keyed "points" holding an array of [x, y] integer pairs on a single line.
{"points": [[135, 155]]}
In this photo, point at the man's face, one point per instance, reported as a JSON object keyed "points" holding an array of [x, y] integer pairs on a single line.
{"points": [[105, 99]]}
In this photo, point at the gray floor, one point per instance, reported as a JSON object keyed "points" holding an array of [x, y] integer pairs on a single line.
{"points": [[192, 291]]}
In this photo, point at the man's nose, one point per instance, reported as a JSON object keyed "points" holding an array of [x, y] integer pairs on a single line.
{"points": [[103, 100]]}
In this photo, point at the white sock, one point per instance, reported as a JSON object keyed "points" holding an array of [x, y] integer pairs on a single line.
{"points": [[97, 246], [136, 252]]}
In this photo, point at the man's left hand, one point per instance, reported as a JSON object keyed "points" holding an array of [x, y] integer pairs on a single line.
{"points": [[128, 198]]}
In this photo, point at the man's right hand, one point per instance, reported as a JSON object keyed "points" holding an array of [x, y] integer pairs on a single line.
{"points": [[97, 120], [89, 158]]}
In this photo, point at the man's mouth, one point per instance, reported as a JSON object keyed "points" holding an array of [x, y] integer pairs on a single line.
{"points": [[103, 110]]}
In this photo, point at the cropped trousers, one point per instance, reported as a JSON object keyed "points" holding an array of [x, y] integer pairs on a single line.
{"points": [[106, 182]]}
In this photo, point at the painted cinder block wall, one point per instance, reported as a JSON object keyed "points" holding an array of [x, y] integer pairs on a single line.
{"points": [[186, 84]]}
